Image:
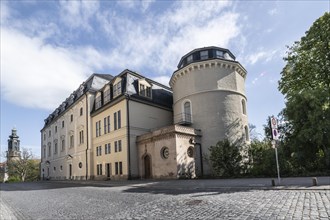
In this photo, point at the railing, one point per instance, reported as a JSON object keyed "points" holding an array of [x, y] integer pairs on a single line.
{"points": [[183, 119]]}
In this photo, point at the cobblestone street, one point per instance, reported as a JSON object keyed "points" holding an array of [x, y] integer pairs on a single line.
{"points": [[255, 204], [162, 200]]}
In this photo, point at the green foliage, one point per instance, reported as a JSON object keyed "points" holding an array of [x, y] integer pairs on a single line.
{"points": [[24, 168], [308, 61], [14, 179], [225, 159], [262, 161], [305, 82]]}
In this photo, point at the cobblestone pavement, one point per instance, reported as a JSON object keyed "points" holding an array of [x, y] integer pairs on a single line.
{"points": [[152, 201], [255, 204]]}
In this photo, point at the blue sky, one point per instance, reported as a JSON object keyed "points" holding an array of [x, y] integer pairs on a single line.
{"points": [[48, 48]]}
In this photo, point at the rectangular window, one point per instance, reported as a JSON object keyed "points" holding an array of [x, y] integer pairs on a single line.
{"points": [[118, 147], [62, 124], [71, 141], [105, 125], [115, 120], [81, 111], [55, 129], [44, 152], [98, 128], [219, 54], [49, 149], [148, 92], [118, 168], [55, 148], [119, 119], [106, 95], [49, 133], [71, 118], [117, 89], [204, 54], [142, 90], [101, 169], [107, 148], [108, 119], [98, 102], [189, 59], [99, 151], [63, 145], [81, 137]]}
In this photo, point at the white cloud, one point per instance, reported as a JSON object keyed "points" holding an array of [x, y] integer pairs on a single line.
{"points": [[159, 41], [153, 44], [162, 79], [262, 55], [77, 14], [35, 74]]}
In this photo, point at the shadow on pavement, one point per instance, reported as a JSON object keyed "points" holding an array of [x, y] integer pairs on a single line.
{"points": [[177, 187]]}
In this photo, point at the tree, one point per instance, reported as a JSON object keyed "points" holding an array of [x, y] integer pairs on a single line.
{"points": [[24, 168], [226, 159], [305, 82]]}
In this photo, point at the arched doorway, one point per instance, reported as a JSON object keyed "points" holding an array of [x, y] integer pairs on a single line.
{"points": [[147, 167]]}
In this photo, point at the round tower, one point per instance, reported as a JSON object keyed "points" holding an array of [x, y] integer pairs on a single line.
{"points": [[209, 95]]}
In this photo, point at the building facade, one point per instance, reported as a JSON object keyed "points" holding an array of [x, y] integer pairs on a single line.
{"points": [[66, 144], [129, 126]]}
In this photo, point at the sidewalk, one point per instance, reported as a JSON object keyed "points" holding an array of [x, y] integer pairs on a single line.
{"points": [[301, 183]]}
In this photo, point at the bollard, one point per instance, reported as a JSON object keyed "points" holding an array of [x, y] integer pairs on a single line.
{"points": [[273, 182], [314, 180]]}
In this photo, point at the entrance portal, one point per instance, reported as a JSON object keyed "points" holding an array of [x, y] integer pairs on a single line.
{"points": [[147, 167]]}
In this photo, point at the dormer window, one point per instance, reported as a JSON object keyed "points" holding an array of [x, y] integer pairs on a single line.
{"points": [[106, 95], [117, 89], [98, 102], [144, 88]]}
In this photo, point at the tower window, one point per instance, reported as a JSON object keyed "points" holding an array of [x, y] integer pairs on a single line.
{"points": [[246, 129], [204, 55], [243, 106], [190, 59], [187, 111]]}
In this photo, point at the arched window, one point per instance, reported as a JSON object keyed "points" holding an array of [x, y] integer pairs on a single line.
{"points": [[187, 111], [246, 129], [243, 106]]}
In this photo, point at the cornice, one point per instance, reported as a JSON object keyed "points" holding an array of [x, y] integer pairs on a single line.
{"points": [[214, 63]]}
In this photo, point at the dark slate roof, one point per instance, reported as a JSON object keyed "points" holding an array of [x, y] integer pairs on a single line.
{"points": [[75, 95], [195, 52]]}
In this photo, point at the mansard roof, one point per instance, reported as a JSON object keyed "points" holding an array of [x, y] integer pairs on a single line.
{"points": [[92, 84]]}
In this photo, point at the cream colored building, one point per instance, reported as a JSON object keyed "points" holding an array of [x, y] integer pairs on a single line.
{"points": [[126, 107], [66, 139], [134, 127]]}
